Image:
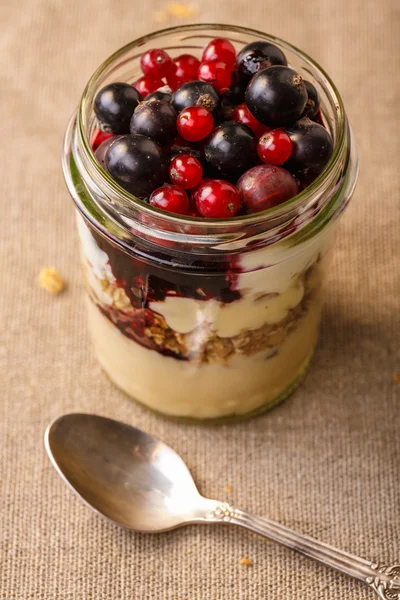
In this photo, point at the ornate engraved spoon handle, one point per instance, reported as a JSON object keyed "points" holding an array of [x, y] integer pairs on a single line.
{"points": [[383, 579]]}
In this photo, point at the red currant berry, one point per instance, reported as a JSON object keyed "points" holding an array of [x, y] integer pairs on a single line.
{"points": [[220, 49], [186, 69], [241, 114], [216, 73], [193, 212], [195, 123], [171, 198], [156, 63], [146, 85], [100, 137], [216, 199], [186, 171], [275, 147]]}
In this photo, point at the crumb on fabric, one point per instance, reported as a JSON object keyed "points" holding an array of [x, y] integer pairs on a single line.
{"points": [[51, 280], [246, 561], [228, 488], [181, 10], [397, 378]]}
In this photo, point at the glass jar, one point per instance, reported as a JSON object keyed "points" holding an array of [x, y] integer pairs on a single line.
{"points": [[204, 319]]}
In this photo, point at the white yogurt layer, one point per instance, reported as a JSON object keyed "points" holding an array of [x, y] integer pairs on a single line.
{"points": [[96, 262], [227, 320], [206, 391], [272, 269], [96, 257]]}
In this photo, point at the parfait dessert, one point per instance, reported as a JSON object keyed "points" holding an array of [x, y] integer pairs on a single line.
{"points": [[207, 191]]}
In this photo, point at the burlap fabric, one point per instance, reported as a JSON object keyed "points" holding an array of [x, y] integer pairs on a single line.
{"points": [[325, 462]]}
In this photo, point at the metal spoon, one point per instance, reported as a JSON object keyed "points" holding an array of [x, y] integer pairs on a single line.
{"points": [[140, 483]]}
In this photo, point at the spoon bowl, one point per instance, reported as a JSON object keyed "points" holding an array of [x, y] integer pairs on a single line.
{"points": [[123, 473], [140, 483]]}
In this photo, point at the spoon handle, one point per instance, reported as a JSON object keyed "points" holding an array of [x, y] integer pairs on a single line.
{"points": [[383, 579]]}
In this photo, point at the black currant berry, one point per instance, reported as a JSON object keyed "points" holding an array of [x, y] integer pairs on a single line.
{"points": [[196, 93], [313, 101], [276, 96], [155, 119], [137, 163], [236, 91], [227, 109], [257, 56], [101, 151], [114, 105], [230, 150], [312, 148], [158, 95]]}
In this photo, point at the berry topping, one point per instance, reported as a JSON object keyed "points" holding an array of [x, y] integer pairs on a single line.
{"points": [[266, 186], [210, 127], [171, 198], [236, 90], [216, 199], [100, 137], [275, 147], [114, 105], [196, 93], [257, 56], [159, 95], [155, 119], [241, 114], [313, 101], [156, 63], [101, 151], [276, 96], [194, 123], [312, 148], [146, 85], [227, 108], [216, 73], [179, 141], [177, 150], [193, 212], [186, 67], [220, 49], [186, 171], [137, 164], [319, 118], [231, 149]]}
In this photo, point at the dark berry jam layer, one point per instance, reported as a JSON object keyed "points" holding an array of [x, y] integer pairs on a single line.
{"points": [[144, 280]]}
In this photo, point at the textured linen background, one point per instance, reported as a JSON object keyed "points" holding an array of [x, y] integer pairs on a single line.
{"points": [[325, 462]]}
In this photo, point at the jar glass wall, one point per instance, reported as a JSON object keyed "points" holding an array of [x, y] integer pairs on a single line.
{"points": [[204, 319]]}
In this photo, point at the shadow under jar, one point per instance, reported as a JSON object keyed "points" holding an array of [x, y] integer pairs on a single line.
{"points": [[204, 319]]}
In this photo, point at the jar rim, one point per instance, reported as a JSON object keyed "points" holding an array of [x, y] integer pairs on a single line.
{"points": [[215, 226]]}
